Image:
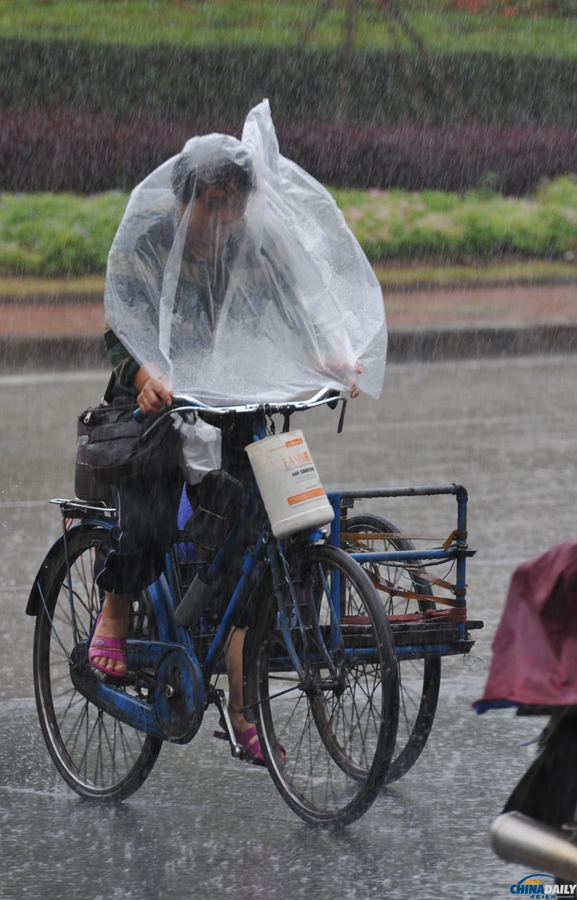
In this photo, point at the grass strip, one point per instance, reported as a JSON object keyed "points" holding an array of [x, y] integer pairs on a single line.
{"points": [[25, 288], [269, 24], [419, 274], [393, 277]]}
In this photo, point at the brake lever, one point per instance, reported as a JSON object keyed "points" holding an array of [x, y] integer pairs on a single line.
{"points": [[342, 418]]}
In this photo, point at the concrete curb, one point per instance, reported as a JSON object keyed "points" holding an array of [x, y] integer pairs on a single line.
{"points": [[432, 345], [25, 353], [30, 352]]}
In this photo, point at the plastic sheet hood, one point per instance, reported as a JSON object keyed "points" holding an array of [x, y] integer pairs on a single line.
{"points": [[234, 275]]}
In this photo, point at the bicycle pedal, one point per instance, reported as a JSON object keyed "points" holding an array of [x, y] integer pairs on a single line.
{"points": [[243, 755], [236, 749], [247, 757], [112, 680]]}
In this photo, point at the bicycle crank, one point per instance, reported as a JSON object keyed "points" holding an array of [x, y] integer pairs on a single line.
{"points": [[178, 696]]}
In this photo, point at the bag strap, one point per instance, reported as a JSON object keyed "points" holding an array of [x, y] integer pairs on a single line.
{"points": [[109, 392]]}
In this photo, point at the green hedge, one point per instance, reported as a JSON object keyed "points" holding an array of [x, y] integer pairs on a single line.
{"points": [[402, 225], [217, 84], [57, 234], [64, 234]]}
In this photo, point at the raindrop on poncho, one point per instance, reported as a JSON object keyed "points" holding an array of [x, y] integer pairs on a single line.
{"points": [[234, 276]]}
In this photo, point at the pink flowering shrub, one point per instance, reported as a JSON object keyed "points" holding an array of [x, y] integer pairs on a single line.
{"points": [[71, 150], [511, 159]]}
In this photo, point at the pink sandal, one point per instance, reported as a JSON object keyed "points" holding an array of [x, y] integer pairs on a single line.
{"points": [[111, 648], [252, 747]]}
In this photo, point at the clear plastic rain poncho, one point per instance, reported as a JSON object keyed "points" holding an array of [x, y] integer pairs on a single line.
{"points": [[234, 275]]}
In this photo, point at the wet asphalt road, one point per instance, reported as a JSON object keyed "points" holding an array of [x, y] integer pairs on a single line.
{"points": [[204, 826]]}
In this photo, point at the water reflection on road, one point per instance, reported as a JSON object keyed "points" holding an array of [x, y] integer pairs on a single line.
{"points": [[203, 825]]}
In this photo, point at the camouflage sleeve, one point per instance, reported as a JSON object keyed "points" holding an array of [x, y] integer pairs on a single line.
{"points": [[124, 365]]}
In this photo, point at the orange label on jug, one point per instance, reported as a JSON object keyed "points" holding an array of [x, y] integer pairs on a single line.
{"points": [[294, 443], [298, 459], [305, 495]]}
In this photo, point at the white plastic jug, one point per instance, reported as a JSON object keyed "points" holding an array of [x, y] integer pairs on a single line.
{"points": [[289, 484]]}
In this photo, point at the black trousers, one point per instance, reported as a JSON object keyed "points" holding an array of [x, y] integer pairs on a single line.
{"points": [[131, 557], [132, 554]]}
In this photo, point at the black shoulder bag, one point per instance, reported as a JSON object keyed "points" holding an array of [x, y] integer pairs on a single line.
{"points": [[113, 448]]}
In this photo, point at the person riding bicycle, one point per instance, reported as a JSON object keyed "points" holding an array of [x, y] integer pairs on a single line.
{"points": [[215, 288]]}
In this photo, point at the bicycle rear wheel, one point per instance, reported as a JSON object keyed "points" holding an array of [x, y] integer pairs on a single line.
{"points": [[335, 721], [419, 679], [98, 756]]}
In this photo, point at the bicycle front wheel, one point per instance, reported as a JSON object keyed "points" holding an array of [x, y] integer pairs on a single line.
{"points": [[326, 725], [98, 756]]}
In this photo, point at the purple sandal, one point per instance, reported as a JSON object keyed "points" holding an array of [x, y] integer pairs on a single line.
{"points": [[111, 648]]}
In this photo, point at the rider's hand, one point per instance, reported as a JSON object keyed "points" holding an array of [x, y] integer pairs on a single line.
{"points": [[355, 389], [154, 394], [344, 371]]}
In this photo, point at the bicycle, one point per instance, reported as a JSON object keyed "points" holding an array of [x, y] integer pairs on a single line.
{"points": [[320, 662]]}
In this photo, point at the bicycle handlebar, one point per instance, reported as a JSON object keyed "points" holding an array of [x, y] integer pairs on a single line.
{"points": [[324, 397]]}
